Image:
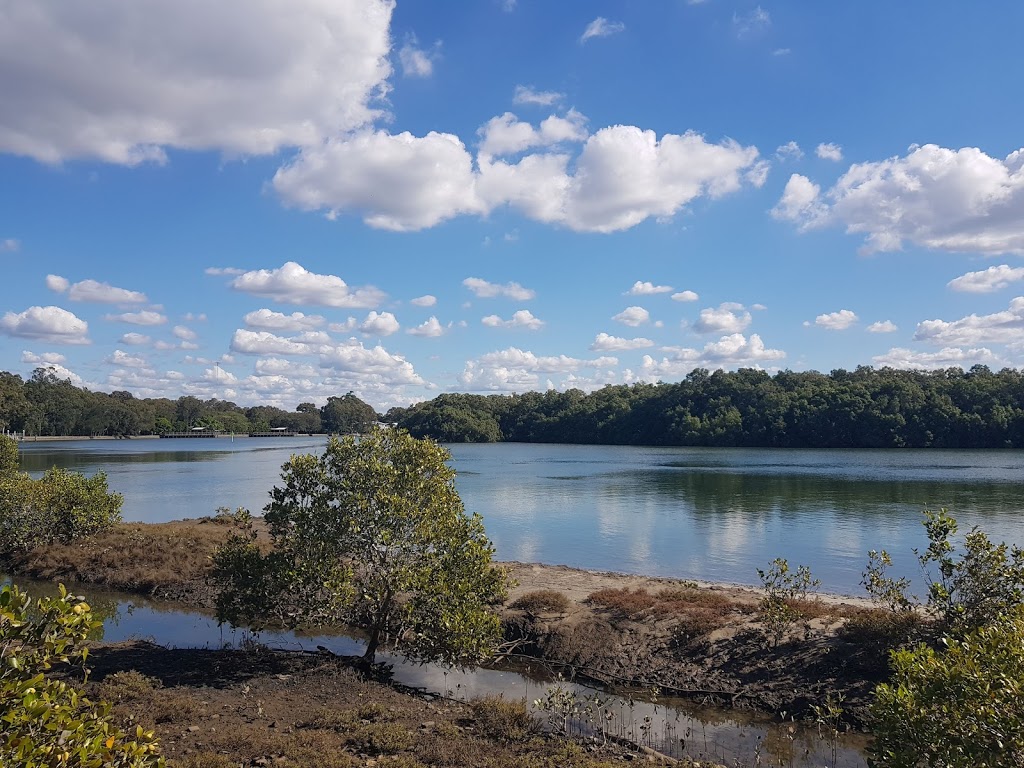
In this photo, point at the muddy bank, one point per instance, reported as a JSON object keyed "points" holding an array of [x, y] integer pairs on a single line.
{"points": [[255, 707], [701, 641]]}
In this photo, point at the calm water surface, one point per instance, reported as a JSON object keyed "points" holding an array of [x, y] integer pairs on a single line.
{"points": [[698, 513]]}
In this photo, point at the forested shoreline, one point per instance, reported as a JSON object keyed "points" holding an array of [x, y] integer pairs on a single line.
{"points": [[863, 408]]}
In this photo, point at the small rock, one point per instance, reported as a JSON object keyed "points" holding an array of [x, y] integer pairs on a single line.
{"points": [[193, 728], [427, 725]]}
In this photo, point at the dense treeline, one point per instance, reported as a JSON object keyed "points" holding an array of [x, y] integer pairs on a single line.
{"points": [[50, 406], [864, 408]]}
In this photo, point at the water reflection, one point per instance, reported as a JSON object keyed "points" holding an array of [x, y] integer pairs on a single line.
{"points": [[676, 727]]}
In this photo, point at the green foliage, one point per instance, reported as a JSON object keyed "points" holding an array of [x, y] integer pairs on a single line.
{"points": [[61, 506], [8, 456], [969, 587], [347, 415], [961, 706], [49, 722], [783, 591], [371, 533]]}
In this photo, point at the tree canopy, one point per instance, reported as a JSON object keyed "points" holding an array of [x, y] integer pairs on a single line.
{"points": [[371, 533]]}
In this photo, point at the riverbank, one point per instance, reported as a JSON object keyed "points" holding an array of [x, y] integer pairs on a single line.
{"points": [[701, 641]]}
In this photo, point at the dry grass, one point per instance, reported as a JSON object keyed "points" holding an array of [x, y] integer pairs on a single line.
{"points": [[542, 601], [168, 559], [507, 721], [880, 629], [696, 611]]}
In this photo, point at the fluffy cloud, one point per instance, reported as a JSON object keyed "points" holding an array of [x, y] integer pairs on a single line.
{"points": [[647, 288], [685, 296], [882, 326], [57, 284], [122, 359], [836, 321], [999, 328], [231, 76], [517, 370], [429, 328], [632, 316], [831, 152], [987, 280], [218, 271], [521, 319], [526, 94], [948, 357], [789, 151], [145, 317], [266, 343], [182, 332], [135, 339], [46, 358], [383, 324], [415, 61], [606, 343], [507, 135], [486, 290], [601, 27], [102, 293], [732, 351], [376, 363], [276, 366], [424, 301], [278, 321], [622, 176], [293, 284], [729, 317], [800, 201], [49, 324], [397, 182], [944, 199]]}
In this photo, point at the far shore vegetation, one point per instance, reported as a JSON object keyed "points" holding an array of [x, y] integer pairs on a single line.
{"points": [[863, 408]]}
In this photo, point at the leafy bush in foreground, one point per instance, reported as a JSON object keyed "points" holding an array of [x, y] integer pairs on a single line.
{"points": [[61, 506], [961, 706], [49, 722]]}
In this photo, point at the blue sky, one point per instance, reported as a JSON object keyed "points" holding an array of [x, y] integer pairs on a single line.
{"points": [[281, 201]]}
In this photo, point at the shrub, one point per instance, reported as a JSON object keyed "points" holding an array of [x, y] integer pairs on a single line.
{"points": [[624, 602], [969, 588], [541, 600], [61, 506], [784, 591], [48, 721], [503, 720], [961, 706]]}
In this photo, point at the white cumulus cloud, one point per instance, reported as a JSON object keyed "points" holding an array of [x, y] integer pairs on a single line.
{"points": [[998, 328], [45, 358], [829, 151], [57, 284], [837, 321], [524, 318], [291, 283], [424, 301], [135, 339], [49, 324], [104, 293], [429, 328], [646, 288], [486, 290], [603, 342], [527, 94], [728, 317], [415, 61], [685, 296], [948, 357], [934, 197], [987, 280], [882, 326], [382, 324], [632, 316], [789, 151], [278, 321], [121, 82], [508, 135], [731, 351], [145, 317]]}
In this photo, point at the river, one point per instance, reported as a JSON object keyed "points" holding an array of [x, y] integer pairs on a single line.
{"points": [[712, 514]]}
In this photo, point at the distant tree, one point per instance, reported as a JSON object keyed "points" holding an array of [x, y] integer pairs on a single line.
{"points": [[347, 415], [372, 533], [188, 410]]}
